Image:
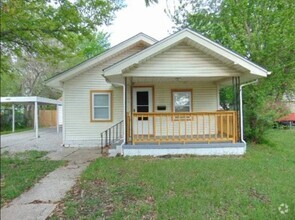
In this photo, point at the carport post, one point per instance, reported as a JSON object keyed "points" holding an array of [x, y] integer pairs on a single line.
{"points": [[13, 118], [36, 119], [57, 119]]}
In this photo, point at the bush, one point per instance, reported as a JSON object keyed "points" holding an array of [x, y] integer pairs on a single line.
{"points": [[6, 119]]}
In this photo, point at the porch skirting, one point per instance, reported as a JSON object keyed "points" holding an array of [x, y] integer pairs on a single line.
{"points": [[193, 149]]}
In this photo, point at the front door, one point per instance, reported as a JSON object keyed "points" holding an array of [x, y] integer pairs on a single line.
{"points": [[142, 102]]}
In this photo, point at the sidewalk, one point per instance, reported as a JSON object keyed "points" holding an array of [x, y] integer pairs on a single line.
{"points": [[41, 200]]}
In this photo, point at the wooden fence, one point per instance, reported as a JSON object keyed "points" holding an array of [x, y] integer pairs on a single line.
{"points": [[47, 118]]}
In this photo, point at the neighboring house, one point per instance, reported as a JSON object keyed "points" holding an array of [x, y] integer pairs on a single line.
{"points": [[156, 97], [289, 99]]}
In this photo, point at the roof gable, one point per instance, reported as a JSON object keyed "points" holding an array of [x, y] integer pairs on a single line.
{"points": [[182, 60], [200, 42], [140, 38]]}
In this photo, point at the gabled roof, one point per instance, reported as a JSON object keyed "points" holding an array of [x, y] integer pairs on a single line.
{"points": [[56, 80], [229, 57]]}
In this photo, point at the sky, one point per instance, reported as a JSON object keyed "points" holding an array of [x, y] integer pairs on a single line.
{"points": [[136, 18]]}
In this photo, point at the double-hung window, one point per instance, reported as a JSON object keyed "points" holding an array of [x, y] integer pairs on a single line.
{"points": [[101, 105]]}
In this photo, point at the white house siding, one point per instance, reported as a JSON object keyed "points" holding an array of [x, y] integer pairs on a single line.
{"points": [[182, 60], [204, 97], [78, 130]]}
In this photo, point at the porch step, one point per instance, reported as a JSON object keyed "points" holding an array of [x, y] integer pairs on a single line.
{"points": [[115, 149]]}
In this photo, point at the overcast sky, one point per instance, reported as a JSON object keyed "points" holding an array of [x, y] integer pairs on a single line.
{"points": [[136, 18]]}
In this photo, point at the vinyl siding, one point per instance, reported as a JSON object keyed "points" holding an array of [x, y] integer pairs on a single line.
{"points": [[78, 130], [182, 60]]}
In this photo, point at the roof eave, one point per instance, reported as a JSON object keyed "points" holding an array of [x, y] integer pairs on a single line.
{"points": [[199, 39], [61, 77]]}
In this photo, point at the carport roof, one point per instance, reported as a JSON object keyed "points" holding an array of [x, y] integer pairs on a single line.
{"points": [[28, 99]]}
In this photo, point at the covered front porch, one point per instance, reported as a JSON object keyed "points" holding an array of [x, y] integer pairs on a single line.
{"points": [[177, 113], [177, 116]]}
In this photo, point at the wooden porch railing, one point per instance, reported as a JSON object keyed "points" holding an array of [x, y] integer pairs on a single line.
{"points": [[158, 127]]}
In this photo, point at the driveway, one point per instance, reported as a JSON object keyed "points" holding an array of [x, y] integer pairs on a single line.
{"points": [[49, 140]]}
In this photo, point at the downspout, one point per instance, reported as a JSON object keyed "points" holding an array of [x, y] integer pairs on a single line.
{"points": [[241, 110], [124, 113]]}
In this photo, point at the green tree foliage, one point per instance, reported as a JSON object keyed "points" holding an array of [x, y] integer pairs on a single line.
{"points": [[50, 27], [149, 2], [40, 38], [263, 31]]}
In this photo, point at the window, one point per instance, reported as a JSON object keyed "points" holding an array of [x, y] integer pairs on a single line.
{"points": [[101, 105], [182, 101]]}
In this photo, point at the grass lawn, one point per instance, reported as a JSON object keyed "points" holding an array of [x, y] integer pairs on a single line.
{"points": [[21, 171], [248, 187]]}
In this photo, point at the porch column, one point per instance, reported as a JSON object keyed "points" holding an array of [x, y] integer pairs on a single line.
{"points": [[237, 102], [36, 120], [13, 118], [126, 115], [57, 119]]}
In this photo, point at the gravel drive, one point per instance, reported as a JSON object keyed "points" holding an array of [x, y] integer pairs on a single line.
{"points": [[49, 140]]}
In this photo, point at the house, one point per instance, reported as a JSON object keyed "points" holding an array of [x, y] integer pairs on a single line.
{"points": [[289, 100], [149, 97]]}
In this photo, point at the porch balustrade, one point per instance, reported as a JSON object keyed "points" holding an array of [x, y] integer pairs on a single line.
{"points": [[172, 127]]}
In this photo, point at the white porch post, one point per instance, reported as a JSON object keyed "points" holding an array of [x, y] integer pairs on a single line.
{"points": [[36, 120], [13, 118], [57, 119]]}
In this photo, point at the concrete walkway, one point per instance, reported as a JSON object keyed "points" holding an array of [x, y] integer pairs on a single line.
{"points": [[41, 200]]}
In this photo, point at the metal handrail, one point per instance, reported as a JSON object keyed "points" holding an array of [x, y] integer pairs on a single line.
{"points": [[112, 135]]}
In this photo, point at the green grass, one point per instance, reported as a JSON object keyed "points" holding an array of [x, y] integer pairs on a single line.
{"points": [[21, 171], [248, 187], [16, 130]]}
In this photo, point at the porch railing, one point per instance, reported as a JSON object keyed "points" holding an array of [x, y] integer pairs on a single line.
{"points": [[112, 135], [170, 127]]}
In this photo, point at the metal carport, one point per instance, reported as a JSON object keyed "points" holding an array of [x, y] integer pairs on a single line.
{"points": [[32, 99]]}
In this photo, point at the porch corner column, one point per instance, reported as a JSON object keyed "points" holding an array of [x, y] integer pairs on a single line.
{"points": [[36, 120], [126, 113], [13, 118], [57, 119]]}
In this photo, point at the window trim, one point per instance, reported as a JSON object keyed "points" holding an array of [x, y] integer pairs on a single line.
{"points": [[177, 117], [94, 92], [181, 90]]}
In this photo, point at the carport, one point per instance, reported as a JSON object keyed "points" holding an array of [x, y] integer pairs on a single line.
{"points": [[36, 101]]}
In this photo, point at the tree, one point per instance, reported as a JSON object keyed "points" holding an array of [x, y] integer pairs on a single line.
{"points": [[260, 30], [50, 27], [149, 2]]}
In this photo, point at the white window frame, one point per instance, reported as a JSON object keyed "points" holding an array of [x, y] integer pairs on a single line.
{"points": [[96, 92], [182, 91]]}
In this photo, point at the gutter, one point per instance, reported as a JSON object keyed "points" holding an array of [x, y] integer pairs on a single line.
{"points": [[241, 110], [124, 112]]}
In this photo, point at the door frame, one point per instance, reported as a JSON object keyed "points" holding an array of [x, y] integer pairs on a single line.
{"points": [[132, 107]]}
